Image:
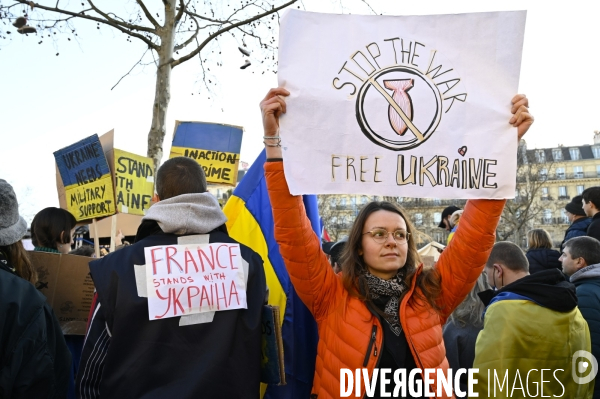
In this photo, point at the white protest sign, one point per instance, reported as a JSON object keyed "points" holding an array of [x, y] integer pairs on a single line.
{"points": [[412, 106], [194, 278]]}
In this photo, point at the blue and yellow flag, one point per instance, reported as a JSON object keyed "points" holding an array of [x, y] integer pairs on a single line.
{"points": [[214, 146], [250, 221]]}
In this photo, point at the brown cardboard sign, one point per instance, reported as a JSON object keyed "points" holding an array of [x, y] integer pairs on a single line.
{"points": [[66, 282]]}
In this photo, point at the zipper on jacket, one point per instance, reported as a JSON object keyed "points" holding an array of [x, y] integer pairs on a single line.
{"points": [[371, 344]]}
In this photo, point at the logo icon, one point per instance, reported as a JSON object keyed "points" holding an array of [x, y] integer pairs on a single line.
{"points": [[413, 103], [585, 367]]}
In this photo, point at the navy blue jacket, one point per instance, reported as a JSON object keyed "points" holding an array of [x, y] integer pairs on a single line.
{"points": [[577, 229], [588, 299], [34, 359], [541, 259], [160, 358]]}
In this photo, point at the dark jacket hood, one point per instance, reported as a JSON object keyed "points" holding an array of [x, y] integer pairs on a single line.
{"points": [[548, 288]]}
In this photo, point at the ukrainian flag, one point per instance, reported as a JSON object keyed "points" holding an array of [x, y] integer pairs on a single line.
{"points": [[250, 221]]}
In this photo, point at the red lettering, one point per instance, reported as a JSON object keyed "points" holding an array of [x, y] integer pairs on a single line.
{"points": [[231, 255], [156, 283], [204, 296], [190, 280], [232, 292], [212, 255], [224, 297], [175, 280], [170, 259], [189, 258], [154, 260], [190, 296], [176, 301], [218, 261], [164, 299]]}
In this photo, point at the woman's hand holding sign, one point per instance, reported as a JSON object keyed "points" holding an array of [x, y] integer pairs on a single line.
{"points": [[521, 119], [272, 106]]}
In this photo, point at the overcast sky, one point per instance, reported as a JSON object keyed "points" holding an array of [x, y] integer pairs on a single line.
{"points": [[50, 101]]}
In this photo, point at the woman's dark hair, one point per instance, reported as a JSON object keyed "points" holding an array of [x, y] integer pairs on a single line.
{"points": [[354, 267], [18, 258], [51, 226]]}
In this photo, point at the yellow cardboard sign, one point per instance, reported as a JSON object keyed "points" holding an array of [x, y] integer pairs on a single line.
{"points": [[94, 199], [134, 182], [219, 167]]}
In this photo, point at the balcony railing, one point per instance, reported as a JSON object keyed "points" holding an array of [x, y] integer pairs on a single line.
{"points": [[560, 220]]}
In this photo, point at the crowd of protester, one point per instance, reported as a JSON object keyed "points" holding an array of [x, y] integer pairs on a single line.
{"points": [[485, 304]]}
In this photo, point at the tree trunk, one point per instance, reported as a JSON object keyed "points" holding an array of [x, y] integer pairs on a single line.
{"points": [[162, 95]]}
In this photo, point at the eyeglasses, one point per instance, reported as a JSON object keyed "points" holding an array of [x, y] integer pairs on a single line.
{"points": [[380, 236]]}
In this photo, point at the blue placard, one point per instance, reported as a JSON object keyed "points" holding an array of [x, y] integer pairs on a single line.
{"points": [[82, 162], [208, 136]]}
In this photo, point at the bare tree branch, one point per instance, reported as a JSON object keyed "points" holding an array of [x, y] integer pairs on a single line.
{"points": [[128, 29], [221, 31], [132, 68], [147, 14], [190, 39]]}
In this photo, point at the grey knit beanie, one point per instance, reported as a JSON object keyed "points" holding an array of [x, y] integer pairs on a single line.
{"points": [[12, 226]]}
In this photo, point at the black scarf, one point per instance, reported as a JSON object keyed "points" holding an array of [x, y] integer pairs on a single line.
{"points": [[388, 293]]}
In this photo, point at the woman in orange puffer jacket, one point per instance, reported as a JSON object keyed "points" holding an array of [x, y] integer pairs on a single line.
{"points": [[383, 310]]}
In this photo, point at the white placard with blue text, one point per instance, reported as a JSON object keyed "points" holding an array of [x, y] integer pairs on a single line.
{"points": [[411, 106]]}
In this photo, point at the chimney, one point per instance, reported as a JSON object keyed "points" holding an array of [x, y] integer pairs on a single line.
{"points": [[596, 136]]}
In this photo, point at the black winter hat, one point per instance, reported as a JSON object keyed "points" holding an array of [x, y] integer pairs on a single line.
{"points": [[575, 206]]}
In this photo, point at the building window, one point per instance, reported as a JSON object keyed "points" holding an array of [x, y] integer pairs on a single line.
{"points": [[418, 219], [557, 154], [560, 173], [580, 189], [353, 201], [575, 154], [563, 216], [364, 199], [375, 198], [332, 201], [562, 193], [540, 156], [578, 172], [596, 151], [547, 218], [437, 217], [544, 193], [598, 170], [343, 201], [543, 174]]}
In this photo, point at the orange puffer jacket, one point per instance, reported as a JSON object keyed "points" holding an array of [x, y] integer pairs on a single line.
{"points": [[346, 326]]}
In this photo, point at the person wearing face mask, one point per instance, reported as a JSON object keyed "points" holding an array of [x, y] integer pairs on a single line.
{"points": [[383, 310], [531, 322]]}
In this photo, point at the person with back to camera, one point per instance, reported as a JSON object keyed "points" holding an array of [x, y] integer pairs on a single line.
{"points": [[540, 254], [383, 310], [126, 355], [52, 231], [34, 359], [461, 331]]}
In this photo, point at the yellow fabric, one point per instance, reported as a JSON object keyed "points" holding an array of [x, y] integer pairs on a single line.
{"points": [[243, 228], [521, 337]]}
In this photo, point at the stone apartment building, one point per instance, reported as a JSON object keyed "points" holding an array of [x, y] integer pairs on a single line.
{"points": [[547, 179]]}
